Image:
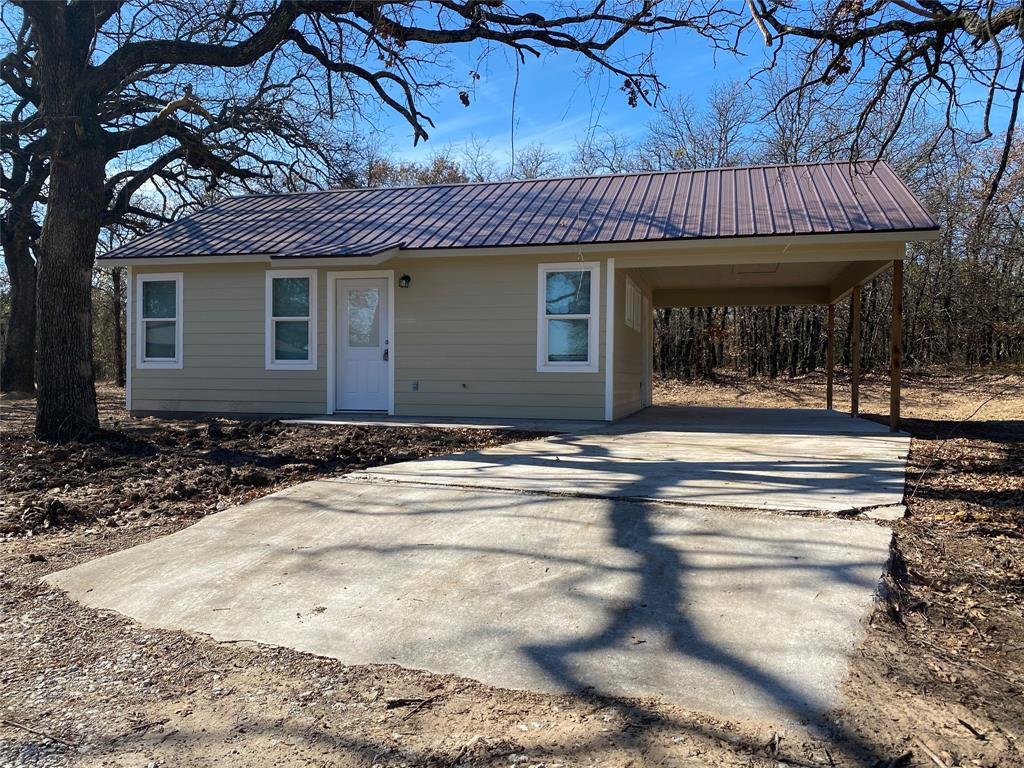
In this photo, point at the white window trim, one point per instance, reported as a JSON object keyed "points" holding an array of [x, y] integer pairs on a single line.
{"points": [[269, 327], [592, 363], [141, 362]]}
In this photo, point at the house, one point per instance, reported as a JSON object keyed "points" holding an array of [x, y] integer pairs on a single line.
{"points": [[509, 299]]}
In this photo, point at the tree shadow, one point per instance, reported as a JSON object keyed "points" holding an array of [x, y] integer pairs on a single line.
{"points": [[661, 573]]}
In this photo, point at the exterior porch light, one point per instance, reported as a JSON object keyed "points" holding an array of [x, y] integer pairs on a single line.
{"points": [[403, 281]]}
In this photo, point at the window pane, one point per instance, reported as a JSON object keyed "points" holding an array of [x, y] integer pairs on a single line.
{"points": [[291, 340], [160, 338], [291, 296], [568, 293], [158, 298], [568, 341], [364, 317]]}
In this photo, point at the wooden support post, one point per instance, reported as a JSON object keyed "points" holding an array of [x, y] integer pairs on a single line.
{"points": [[896, 346], [855, 352], [830, 355]]}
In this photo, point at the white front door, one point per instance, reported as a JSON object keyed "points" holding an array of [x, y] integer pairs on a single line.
{"points": [[362, 333]]}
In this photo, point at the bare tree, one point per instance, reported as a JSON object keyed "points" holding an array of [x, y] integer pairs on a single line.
{"points": [[892, 56], [535, 161], [476, 160], [715, 135], [113, 77], [605, 152], [22, 181], [439, 168]]}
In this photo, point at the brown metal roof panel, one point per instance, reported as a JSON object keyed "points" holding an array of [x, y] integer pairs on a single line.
{"points": [[369, 223], [727, 221], [689, 212], [415, 223], [564, 212], [649, 223], [660, 221], [849, 199], [796, 202], [622, 210], [743, 205], [528, 201], [591, 190], [494, 215], [778, 199], [916, 212], [900, 206], [770, 200], [832, 201], [533, 214], [461, 206], [811, 193], [876, 216]]}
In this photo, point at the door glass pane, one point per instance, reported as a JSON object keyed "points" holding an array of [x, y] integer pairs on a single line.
{"points": [[567, 293], [158, 298], [291, 296], [160, 339], [291, 340], [364, 317], [568, 341]]}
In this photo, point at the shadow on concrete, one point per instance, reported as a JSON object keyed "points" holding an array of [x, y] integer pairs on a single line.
{"points": [[660, 571]]}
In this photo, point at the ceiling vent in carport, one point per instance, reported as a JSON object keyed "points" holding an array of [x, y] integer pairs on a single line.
{"points": [[755, 269]]}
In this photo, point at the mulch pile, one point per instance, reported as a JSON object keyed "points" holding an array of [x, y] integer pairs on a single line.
{"points": [[152, 467]]}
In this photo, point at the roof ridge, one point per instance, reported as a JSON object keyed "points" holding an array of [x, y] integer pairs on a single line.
{"points": [[584, 177]]}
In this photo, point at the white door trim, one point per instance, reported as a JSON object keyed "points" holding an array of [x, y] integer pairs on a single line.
{"points": [[332, 349]]}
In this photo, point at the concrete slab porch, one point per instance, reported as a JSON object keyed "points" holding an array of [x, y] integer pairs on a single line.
{"points": [[760, 458]]}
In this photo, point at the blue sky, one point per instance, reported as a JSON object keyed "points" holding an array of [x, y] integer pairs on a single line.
{"points": [[557, 102]]}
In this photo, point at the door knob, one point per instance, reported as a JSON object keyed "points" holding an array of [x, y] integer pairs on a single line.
{"points": [[386, 354]]}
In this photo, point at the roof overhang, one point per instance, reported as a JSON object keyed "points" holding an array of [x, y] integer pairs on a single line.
{"points": [[649, 253]]}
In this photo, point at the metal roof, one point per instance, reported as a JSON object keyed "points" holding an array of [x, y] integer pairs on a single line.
{"points": [[822, 198]]}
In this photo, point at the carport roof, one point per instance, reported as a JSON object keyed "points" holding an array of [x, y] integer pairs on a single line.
{"points": [[804, 199]]}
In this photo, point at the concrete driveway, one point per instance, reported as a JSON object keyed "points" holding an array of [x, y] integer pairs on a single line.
{"points": [[734, 612]]}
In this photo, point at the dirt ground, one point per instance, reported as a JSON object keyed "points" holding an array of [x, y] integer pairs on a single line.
{"points": [[937, 681]]}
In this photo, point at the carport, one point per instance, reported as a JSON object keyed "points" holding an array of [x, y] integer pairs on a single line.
{"points": [[805, 237]]}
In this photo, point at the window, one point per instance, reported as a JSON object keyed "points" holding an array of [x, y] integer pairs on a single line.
{"points": [[567, 317], [159, 321], [634, 305], [291, 320]]}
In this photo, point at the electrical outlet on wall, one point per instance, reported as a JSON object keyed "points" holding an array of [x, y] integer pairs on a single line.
{"points": [[415, 386]]}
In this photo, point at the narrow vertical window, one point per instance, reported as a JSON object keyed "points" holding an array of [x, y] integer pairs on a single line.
{"points": [[567, 317], [291, 320], [634, 305], [159, 328]]}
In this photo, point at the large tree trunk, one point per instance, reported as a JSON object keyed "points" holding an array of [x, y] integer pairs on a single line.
{"points": [[18, 371], [66, 405]]}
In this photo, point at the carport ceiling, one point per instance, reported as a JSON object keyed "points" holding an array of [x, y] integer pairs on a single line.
{"points": [[757, 284]]}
